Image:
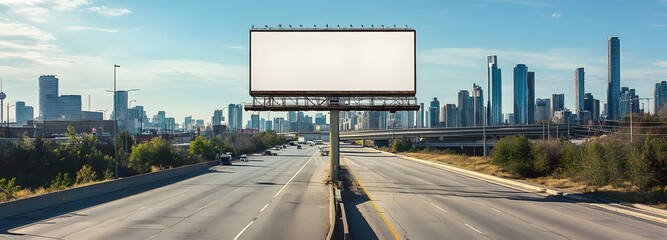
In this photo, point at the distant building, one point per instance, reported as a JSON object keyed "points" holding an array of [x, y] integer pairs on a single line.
{"points": [[450, 115], [217, 117], [465, 109], [254, 121], [434, 111], [187, 124], [579, 90], [629, 102], [531, 97], [320, 119], [23, 113], [420, 116], [520, 94], [477, 105], [69, 107], [91, 116], [494, 79], [48, 96], [660, 95], [120, 109], [613, 78], [542, 110], [557, 103], [235, 117], [592, 105]]}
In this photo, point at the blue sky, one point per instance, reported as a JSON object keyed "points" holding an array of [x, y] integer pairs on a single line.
{"points": [[190, 57]]}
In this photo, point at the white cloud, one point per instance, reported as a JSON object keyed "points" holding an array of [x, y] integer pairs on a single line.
{"points": [[659, 25], [82, 28], [661, 64], [39, 10], [237, 47], [110, 12], [556, 15], [530, 3]]}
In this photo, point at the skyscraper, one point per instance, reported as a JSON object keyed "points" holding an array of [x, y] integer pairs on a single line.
{"points": [[217, 117], [629, 102], [20, 112], [494, 104], [120, 108], [613, 78], [320, 119], [420, 116], [591, 106], [578, 90], [542, 110], [531, 97], [520, 94], [660, 95], [48, 96], [234, 117], [69, 107], [434, 111], [464, 109], [557, 103], [450, 115], [478, 105]]}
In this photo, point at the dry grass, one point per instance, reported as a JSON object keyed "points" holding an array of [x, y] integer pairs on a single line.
{"points": [[478, 164], [484, 165]]}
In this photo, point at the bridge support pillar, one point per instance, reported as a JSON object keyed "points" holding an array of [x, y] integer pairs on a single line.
{"points": [[363, 142], [334, 139]]}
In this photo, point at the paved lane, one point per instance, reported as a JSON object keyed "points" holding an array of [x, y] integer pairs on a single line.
{"points": [[423, 202], [262, 199]]}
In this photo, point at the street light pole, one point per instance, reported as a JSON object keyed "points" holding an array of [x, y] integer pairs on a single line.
{"points": [[115, 120]]}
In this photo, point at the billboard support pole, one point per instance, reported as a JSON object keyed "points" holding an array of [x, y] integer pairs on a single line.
{"points": [[334, 140]]}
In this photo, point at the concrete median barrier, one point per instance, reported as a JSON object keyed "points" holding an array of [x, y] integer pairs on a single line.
{"points": [[26, 205]]}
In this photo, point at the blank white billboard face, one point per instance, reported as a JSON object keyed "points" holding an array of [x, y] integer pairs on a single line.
{"points": [[321, 62]]}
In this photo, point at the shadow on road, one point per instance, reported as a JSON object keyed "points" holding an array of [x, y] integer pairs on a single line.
{"points": [[68, 209], [352, 197]]}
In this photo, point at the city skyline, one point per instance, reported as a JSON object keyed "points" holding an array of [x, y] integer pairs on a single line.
{"points": [[206, 55]]}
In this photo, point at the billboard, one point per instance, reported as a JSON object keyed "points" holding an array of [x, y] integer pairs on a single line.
{"points": [[332, 62]]}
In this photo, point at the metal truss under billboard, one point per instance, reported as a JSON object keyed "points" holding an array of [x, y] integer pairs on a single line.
{"points": [[332, 103]]}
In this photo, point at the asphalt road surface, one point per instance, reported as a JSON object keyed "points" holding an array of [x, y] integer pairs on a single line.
{"points": [[423, 202], [269, 197]]}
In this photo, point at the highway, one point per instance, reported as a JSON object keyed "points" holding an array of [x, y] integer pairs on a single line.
{"points": [[269, 197], [423, 202]]}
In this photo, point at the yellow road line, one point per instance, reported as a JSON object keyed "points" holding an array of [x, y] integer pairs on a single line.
{"points": [[373, 203]]}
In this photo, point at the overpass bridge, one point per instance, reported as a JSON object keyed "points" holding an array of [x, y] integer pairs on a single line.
{"points": [[469, 139]]}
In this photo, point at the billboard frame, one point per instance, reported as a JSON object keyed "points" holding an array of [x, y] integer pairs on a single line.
{"points": [[333, 93]]}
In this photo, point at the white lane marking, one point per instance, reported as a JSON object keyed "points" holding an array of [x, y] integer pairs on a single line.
{"points": [[351, 162], [436, 206], [474, 229], [293, 176], [243, 230], [494, 209], [260, 211], [274, 196]]}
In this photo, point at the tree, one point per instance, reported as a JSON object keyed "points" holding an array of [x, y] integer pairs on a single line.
{"points": [[155, 153], [514, 154]]}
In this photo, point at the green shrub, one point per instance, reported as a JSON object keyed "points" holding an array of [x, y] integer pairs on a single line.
{"points": [[8, 188], [108, 174], [514, 155], [155, 153], [401, 145], [548, 155], [62, 181], [86, 175]]}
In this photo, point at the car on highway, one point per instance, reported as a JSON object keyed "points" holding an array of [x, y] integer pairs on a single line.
{"points": [[284, 146], [298, 146], [244, 158], [225, 159], [266, 153]]}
